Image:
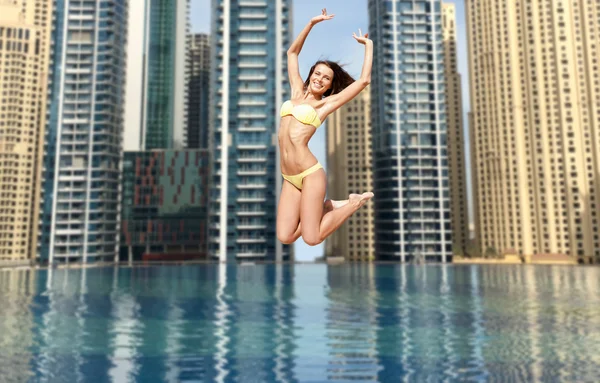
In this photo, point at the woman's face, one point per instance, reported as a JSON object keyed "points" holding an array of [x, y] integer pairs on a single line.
{"points": [[320, 80]]}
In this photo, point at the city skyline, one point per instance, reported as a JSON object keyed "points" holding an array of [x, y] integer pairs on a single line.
{"points": [[333, 40], [530, 147]]}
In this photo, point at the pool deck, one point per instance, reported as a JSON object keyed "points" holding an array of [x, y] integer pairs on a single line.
{"points": [[463, 261], [537, 259], [508, 260]]}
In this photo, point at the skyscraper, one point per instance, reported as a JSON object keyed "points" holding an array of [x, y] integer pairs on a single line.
{"points": [[410, 156], [25, 28], [249, 83], [164, 186], [459, 210], [535, 102], [164, 204], [84, 134], [157, 75], [349, 171], [198, 92]]}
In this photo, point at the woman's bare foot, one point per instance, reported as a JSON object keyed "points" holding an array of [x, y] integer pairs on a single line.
{"points": [[330, 205], [339, 204], [358, 200]]}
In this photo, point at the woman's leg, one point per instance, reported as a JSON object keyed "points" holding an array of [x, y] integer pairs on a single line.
{"points": [[289, 227], [317, 224], [288, 214]]}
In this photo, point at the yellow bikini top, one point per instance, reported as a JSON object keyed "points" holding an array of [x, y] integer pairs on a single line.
{"points": [[304, 113]]}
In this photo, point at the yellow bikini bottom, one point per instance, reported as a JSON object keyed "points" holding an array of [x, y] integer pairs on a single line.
{"points": [[297, 179]]}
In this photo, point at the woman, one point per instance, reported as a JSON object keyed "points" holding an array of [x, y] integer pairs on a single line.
{"points": [[301, 210]]}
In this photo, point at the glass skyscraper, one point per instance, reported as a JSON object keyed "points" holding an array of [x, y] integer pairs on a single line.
{"points": [[83, 139], [410, 157], [164, 187], [157, 74], [249, 83], [198, 92]]}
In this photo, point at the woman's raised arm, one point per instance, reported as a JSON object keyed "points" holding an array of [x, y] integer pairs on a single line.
{"points": [[335, 101], [296, 82]]}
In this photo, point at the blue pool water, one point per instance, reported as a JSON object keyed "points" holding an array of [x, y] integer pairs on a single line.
{"points": [[302, 323]]}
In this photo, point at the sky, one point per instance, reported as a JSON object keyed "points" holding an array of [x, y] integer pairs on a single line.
{"points": [[333, 40]]}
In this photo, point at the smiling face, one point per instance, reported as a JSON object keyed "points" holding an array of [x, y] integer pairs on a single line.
{"points": [[320, 80]]}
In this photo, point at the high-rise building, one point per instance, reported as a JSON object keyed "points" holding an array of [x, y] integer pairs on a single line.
{"points": [[164, 193], [164, 205], [80, 217], [249, 83], [25, 27], [535, 104], [409, 127], [349, 170], [459, 209], [157, 75], [198, 92]]}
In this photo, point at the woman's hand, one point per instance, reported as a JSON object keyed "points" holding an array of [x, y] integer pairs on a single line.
{"points": [[360, 38], [322, 17]]}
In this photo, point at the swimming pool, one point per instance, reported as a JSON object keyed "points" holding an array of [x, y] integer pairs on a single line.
{"points": [[301, 323]]}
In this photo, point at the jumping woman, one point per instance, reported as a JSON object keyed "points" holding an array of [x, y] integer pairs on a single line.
{"points": [[301, 210]]}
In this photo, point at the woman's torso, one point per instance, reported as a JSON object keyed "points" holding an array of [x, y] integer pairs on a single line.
{"points": [[294, 135]]}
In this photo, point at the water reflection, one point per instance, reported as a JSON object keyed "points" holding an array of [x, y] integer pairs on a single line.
{"points": [[17, 289], [351, 324], [279, 323]]}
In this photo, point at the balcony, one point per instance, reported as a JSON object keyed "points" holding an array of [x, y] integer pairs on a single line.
{"points": [[258, 4], [249, 28], [253, 16], [252, 129], [252, 159], [252, 255], [252, 172], [250, 213], [251, 240], [252, 41], [252, 147], [257, 65], [253, 53], [251, 186], [252, 116], [252, 103], [251, 227], [251, 200], [251, 90], [256, 77], [64, 232]]}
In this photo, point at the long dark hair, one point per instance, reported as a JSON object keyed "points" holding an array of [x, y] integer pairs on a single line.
{"points": [[341, 78]]}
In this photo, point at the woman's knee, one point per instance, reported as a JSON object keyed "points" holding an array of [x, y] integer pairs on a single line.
{"points": [[312, 239], [286, 238]]}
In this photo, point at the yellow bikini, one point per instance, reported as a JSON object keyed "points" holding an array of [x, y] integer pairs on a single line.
{"points": [[306, 114], [297, 179]]}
